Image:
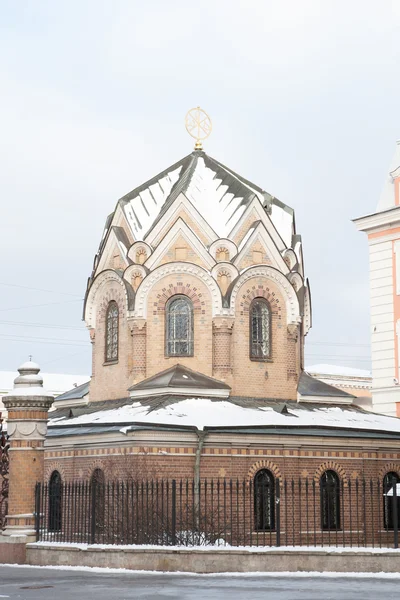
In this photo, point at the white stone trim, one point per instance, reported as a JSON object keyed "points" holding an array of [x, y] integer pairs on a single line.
{"points": [[225, 266], [187, 393], [157, 233], [289, 294], [378, 220], [307, 310], [138, 246], [261, 234], [256, 206], [103, 279], [177, 268], [179, 229], [134, 269], [223, 243]]}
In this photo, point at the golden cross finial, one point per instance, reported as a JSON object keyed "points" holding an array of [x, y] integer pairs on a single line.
{"points": [[198, 125]]}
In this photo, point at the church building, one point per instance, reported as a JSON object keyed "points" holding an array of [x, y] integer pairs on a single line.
{"points": [[197, 308]]}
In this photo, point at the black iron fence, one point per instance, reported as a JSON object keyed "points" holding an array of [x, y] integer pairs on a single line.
{"points": [[221, 512], [4, 470]]}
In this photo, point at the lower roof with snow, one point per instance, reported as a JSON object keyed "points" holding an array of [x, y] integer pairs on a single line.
{"points": [[240, 414]]}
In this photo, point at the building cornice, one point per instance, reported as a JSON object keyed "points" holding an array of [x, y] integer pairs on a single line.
{"points": [[380, 220]]}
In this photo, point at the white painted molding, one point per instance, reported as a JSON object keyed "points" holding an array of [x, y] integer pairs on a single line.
{"points": [[138, 246], [134, 269], [179, 229], [225, 266], [307, 310], [289, 294], [158, 232], [173, 269], [223, 243], [296, 280], [261, 234], [385, 219], [260, 215], [106, 278], [291, 255]]}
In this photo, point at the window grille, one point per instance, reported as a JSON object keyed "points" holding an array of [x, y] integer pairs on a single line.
{"points": [[112, 332], [260, 329], [179, 327], [264, 501], [330, 501], [55, 502], [389, 481]]}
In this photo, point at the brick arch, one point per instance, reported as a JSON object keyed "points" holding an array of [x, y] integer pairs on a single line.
{"points": [[260, 291], [387, 468], [182, 289], [96, 464], [54, 466], [111, 296], [264, 464], [330, 465]]}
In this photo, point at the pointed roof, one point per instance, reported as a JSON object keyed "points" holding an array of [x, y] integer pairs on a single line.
{"points": [[387, 197], [180, 380], [217, 192]]}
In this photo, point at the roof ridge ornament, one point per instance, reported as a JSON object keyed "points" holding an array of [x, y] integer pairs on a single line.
{"points": [[198, 125]]}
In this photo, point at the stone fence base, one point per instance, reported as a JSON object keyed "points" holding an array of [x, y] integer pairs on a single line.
{"points": [[219, 560]]}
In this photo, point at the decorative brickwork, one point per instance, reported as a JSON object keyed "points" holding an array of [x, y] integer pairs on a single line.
{"points": [[222, 347], [264, 464], [331, 466]]}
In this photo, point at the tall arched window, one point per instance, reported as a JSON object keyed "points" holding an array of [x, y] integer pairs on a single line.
{"points": [[179, 327], [98, 501], [112, 332], [55, 502], [330, 500], [389, 481], [260, 329], [264, 501]]}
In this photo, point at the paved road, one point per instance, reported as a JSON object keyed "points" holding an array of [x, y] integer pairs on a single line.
{"points": [[49, 584]]}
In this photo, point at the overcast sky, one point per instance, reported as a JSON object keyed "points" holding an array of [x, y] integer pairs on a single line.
{"points": [[304, 98]]}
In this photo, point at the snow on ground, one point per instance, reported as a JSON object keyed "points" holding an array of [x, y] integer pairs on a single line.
{"points": [[201, 412], [218, 548], [109, 571]]}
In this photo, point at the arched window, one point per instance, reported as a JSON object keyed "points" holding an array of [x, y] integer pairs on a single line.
{"points": [[112, 332], [260, 329], [264, 501], [98, 501], [330, 500], [389, 481], [179, 327], [55, 502]]}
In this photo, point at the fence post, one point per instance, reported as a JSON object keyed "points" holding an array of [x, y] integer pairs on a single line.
{"points": [[395, 514], [173, 515], [278, 512], [37, 509], [92, 491]]}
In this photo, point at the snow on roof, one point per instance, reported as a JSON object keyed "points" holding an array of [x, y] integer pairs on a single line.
{"points": [[283, 222], [219, 194], [55, 383], [337, 370], [200, 412], [387, 197]]}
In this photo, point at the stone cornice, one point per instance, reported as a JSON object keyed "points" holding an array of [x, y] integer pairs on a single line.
{"points": [[12, 402]]}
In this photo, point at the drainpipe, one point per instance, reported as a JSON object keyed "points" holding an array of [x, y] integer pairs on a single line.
{"points": [[201, 436]]}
